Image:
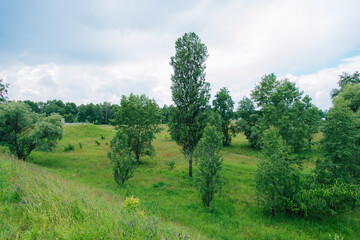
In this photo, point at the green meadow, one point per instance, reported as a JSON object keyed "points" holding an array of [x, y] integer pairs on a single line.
{"points": [[72, 195]]}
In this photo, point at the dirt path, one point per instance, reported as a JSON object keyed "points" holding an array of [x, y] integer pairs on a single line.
{"points": [[244, 156]]}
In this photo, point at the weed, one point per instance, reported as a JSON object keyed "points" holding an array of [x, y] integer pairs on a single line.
{"points": [[69, 147]]}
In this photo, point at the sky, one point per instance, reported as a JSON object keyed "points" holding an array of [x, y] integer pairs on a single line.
{"points": [[95, 51]]}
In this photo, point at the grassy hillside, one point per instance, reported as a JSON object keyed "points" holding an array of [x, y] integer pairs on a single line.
{"points": [[172, 196], [35, 204]]}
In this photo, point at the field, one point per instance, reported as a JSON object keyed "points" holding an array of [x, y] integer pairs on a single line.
{"points": [[165, 194]]}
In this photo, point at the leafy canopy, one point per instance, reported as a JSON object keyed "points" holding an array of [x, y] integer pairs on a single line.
{"points": [[24, 131], [208, 157], [224, 105], [190, 93], [139, 118]]}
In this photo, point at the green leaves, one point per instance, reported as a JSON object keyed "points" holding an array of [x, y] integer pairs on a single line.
{"points": [[122, 158], [138, 117], [208, 157], [190, 93], [24, 131], [224, 105]]}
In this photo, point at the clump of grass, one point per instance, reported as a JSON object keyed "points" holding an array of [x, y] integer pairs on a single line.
{"points": [[97, 142], [102, 137], [80, 145], [69, 147], [171, 164]]}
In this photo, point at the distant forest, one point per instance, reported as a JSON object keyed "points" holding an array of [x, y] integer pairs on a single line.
{"points": [[92, 113]]}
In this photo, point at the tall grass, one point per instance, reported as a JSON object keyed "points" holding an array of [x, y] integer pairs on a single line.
{"points": [[37, 205]]}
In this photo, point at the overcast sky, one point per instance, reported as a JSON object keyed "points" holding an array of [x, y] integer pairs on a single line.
{"points": [[96, 51]]}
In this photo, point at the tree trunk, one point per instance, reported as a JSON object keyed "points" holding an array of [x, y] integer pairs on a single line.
{"points": [[190, 162]]}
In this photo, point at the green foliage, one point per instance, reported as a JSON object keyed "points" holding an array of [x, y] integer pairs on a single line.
{"points": [[190, 93], [278, 176], [3, 91], [340, 145], [102, 137], [69, 147], [24, 131], [327, 200], [345, 79], [97, 142], [350, 95], [131, 203], [80, 145], [122, 158], [247, 122], [208, 157], [224, 105], [282, 105], [171, 164], [139, 118]]}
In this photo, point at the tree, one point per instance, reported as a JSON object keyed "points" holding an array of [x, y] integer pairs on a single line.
{"points": [[190, 93], [3, 91], [280, 104], [340, 145], [350, 95], [208, 157], [24, 131], [345, 79], [248, 120], [224, 105], [278, 176], [139, 118], [122, 157]]}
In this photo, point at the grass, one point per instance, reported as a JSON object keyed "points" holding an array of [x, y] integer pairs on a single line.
{"points": [[173, 197]]}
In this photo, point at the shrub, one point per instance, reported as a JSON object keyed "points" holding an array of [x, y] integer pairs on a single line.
{"points": [[171, 164], [69, 147], [322, 200], [278, 176], [122, 158], [131, 203], [207, 155]]}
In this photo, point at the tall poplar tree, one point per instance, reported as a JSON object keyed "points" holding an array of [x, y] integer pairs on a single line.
{"points": [[190, 93]]}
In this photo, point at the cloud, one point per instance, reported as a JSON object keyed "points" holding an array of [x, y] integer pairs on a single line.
{"points": [[91, 52], [319, 85]]}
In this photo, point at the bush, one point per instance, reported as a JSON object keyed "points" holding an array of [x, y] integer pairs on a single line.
{"points": [[69, 147], [171, 164], [207, 155], [278, 176], [122, 158], [131, 203], [322, 200]]}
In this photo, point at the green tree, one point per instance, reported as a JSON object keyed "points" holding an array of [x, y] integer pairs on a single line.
{"points": [[190, 93], [122, 157], [208, 157], [139, 118], [278, 175], [280, 104], [345, 79], [248, 118], [340, 145], [3, 91], [224, 105], [350, 94], [24, 131]]}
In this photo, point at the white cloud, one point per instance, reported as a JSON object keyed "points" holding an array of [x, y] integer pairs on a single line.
{"points": [[105, 50]]}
